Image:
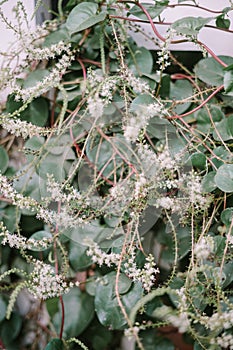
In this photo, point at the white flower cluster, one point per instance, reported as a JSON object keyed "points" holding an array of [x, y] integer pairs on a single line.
{"points": [[137, 84], [163, 55], [140, 187], [180, 321], [21, 128], [63, 218], [130, 332], [195, 190], [117, 191], [8, 192], [139, 120], [225, 341], [166, 203], [204, 247], [49, 81], [168, 186], [107, 87], [100, 257], [94, 79], [95, 105], [44, 283], [163, 59], [57, 193], [146, 275], [103, 88], [21, 242], [45, 53], [148, 159], [120, 198], [13, 240], [166, 161], [218, 321]]}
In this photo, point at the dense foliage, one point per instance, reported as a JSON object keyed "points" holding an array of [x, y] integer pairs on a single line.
{"points": [[116, 181]]}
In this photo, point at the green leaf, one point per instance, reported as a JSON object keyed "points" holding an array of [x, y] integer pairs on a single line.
{"points": [[222, 156], [79, 307], [52, 306], [210, 71], [190, 25], [198, 160], [153, 10], [140, 102], [4, 160], [230, 124], [37, 111], [106, 304], [223, 131], [83, 16], [142, 62], [3, 307], [198, 346], [222, 22], [227, 271], [153, 339], [224, 178], [56, 36], [54, 166], [101, 153], [34, 77], [203, 119], [208, 182], [228, 82], [78, 257], [10, 217], [94, 231], [28, 182], [219, 245], [55, 344], [180, 90], [38, 236], [10, 329], [58, 145], [184, 241], [227, 216]]}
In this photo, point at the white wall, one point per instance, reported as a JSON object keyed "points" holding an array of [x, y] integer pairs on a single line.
{"points": [[219, 41], [7, 35]]}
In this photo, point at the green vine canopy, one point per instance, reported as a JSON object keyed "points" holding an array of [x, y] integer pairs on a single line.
{"points": [[116, 180]]}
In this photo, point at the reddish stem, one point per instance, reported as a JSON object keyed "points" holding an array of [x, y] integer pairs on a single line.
{"points": [[52, 116], [62, 317], [180, 76], [83, 68], [81, 154], [212, 53], [96, 63], [2, 346], [57, 270], [175, 41], [198, 107], [151, 22], [195, 6]]}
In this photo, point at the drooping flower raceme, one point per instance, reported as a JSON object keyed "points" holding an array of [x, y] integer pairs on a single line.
{"points": [[146, 275], [44, 283]]}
